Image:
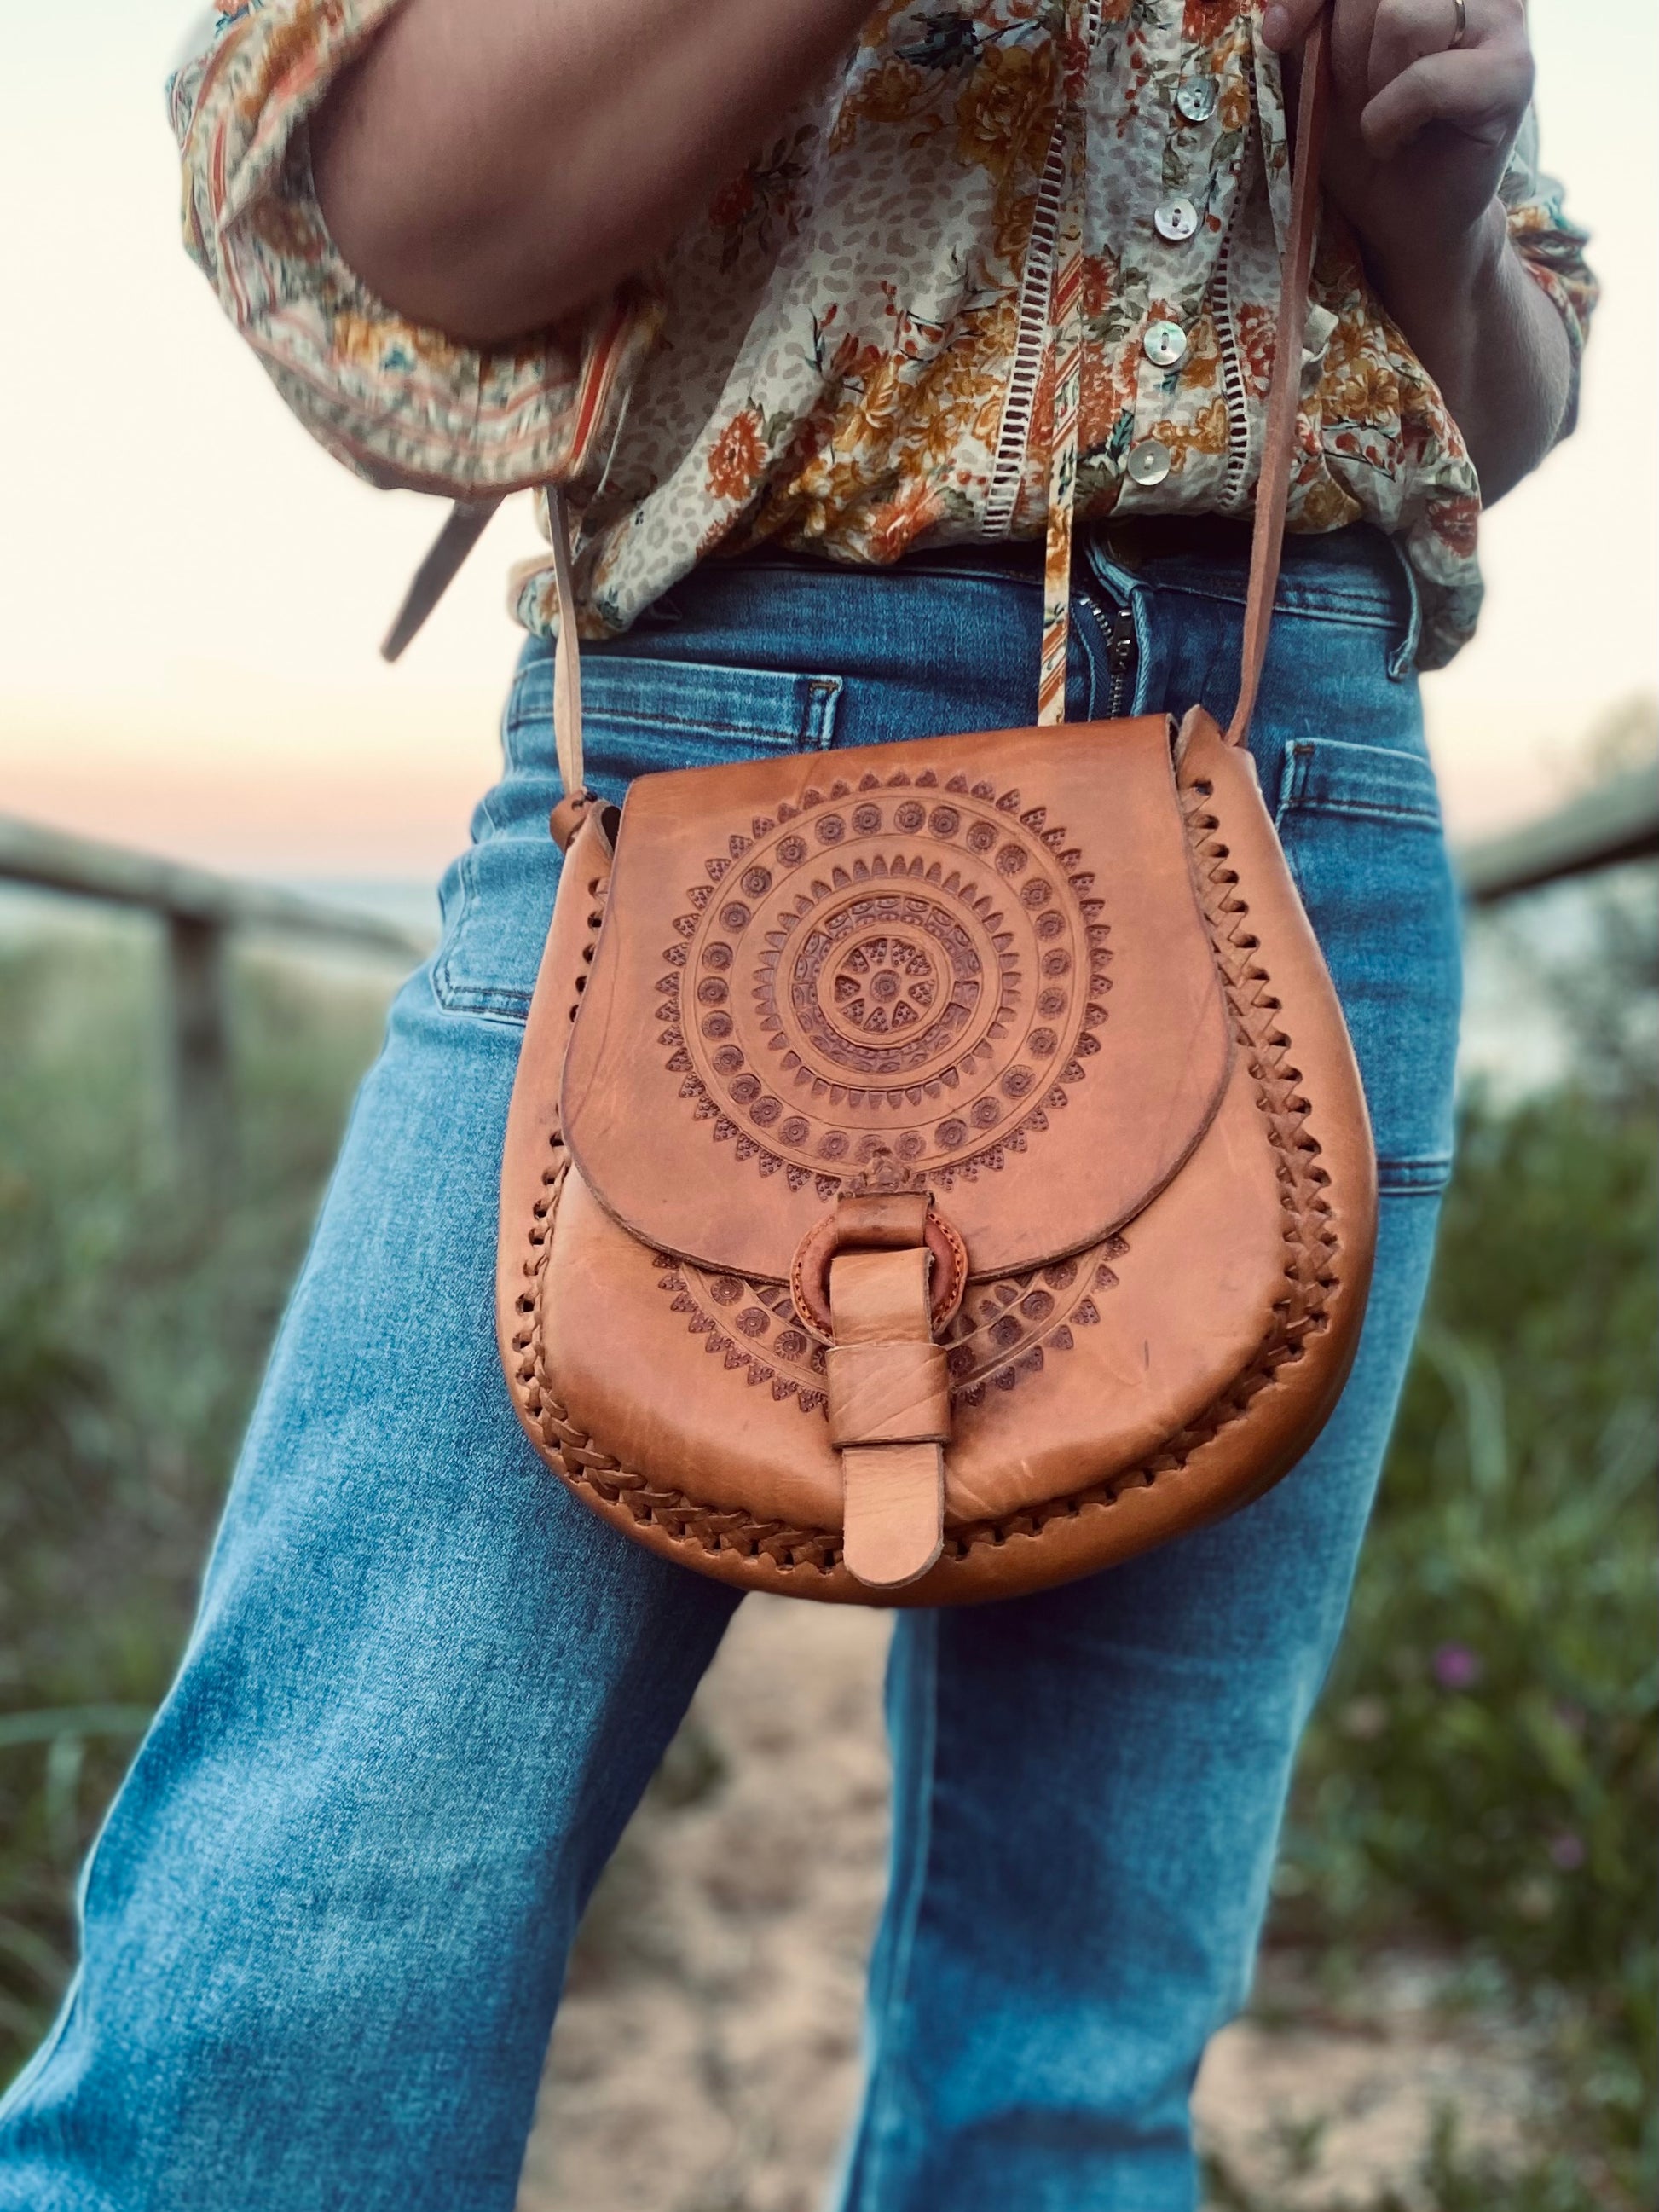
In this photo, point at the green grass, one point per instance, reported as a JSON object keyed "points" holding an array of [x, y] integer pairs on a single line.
{"points": [[132, 1335], [1481, 1775], [1447, 2179]]}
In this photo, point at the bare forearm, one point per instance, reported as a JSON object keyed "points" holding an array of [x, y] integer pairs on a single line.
{"points": [[1493, 343], [488, 170]]}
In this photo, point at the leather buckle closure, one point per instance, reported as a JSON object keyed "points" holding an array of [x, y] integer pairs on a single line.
{"points": [[878, 1221], [877, 1279]]}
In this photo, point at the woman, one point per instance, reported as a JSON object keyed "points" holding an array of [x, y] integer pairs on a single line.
{"points": [[328, 1918]]}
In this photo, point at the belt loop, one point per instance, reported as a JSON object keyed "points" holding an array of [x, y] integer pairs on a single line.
{"points": [[1402, 662]]}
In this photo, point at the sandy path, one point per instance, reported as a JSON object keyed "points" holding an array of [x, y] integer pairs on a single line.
{"points": [[706, 2059]]}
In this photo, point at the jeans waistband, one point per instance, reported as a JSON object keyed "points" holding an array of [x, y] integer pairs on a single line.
{"points": [[1135, 543], [1352, 574]]}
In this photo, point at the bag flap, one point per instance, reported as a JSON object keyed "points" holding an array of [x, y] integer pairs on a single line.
{"points": [[982, 954]]}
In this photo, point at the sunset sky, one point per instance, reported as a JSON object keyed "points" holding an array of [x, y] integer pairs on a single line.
{"points": [[191, 593]]}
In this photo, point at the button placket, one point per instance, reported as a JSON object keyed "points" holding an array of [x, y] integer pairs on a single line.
{"points": [[1164, 344], [1177, 219]]}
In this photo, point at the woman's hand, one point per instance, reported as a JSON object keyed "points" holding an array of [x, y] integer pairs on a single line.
{"points": [[1428, 98], [1421, 127]]}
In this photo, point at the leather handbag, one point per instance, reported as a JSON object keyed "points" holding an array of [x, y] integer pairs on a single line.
{"points": [[938, 1170]]}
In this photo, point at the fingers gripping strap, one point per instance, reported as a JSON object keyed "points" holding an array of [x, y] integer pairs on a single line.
{"points": [[1284, 388]]}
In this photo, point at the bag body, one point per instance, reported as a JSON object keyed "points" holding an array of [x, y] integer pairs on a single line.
{"points": [[1135, 1103]]}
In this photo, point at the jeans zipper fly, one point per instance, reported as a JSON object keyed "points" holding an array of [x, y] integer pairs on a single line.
{"points": [[1122, 652]]}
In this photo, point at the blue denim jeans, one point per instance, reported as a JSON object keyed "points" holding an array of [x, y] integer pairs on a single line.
{"points": [[327, 1920]]}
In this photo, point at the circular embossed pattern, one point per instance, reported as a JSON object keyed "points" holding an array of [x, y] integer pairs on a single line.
{"points": [[881, 980], [908, 966]]}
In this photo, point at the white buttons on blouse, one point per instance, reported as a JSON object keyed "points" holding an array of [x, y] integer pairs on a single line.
{"points": [[1176, 220], [1149, 461], [1164, 343]]}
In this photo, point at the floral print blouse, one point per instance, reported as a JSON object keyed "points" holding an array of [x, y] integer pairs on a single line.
{"points": [[845, 352]]}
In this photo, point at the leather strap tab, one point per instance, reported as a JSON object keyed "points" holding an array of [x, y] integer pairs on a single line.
{"points": [[890, 1413], [1284, 388], [889, 1394], [895, 1512], [882, 1221], [875, 1296]]}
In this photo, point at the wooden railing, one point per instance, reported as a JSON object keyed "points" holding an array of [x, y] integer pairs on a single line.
{"points": [[1619, 820], [198, 911]]}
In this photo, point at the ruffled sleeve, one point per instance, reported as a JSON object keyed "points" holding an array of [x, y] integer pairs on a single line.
{"points": [[403, 405], [1551, 246]]}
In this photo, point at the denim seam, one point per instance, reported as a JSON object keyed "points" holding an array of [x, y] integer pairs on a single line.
{"points": [[823, 695], [1427, 816], [812, 731], [453, 993], [493, 1001], [907, 1910], [1403, 667], [465, 899], [1294, 797], [1418, 1178], [40, 2062], [1325, 606], [700, 725]]}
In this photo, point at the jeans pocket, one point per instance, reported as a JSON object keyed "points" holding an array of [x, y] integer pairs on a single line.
{"points": [[642, 714], [1361, 829]]}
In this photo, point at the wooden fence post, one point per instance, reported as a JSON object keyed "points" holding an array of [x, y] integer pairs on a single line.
{"points": [[198, 911], [203, 1111]]}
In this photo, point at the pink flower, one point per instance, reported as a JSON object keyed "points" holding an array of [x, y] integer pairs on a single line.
{"points": [[1457, 1667], [1567, 1851]]}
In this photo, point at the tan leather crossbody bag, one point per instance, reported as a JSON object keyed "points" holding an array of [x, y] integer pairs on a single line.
{"points": [[939, 1169]]}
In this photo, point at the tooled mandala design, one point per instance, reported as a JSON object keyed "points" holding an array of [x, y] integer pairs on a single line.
{"points": [[1004, 1329], [910, 966]]}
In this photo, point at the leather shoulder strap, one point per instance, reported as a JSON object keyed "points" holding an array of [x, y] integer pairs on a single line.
{"points": [[1284, 388]]}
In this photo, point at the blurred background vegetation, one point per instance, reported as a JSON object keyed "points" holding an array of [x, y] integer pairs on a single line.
{"points": [[1482, 1775], [1484, 1769]]}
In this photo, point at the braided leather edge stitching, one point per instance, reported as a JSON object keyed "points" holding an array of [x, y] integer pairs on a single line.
{"points": [[1311, 1251]]}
